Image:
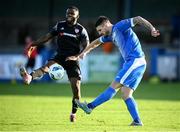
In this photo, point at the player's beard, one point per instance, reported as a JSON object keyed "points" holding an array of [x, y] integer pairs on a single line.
{"points": [[107, 33], [71, 20]]}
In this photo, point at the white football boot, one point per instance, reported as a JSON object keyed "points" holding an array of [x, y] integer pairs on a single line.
{"points": [[27, 78]]}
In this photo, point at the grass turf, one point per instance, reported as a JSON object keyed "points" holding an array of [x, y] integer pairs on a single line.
{"points": [[46, 107]]}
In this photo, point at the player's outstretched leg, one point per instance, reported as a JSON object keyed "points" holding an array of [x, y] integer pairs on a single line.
{"points": [[27, 78], [102, 98], [109, 93], [36, 74]]}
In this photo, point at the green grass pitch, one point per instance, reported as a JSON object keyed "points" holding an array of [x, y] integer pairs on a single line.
{"points": [[46, 107]]}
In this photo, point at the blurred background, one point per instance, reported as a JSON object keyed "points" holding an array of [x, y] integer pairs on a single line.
{"points": [[24, 21]]}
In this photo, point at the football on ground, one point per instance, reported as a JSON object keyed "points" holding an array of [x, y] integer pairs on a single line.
{"points": [[56, 71]]}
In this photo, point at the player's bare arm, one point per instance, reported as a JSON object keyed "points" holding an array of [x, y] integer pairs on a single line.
{"points": [[42, 39], [141, 21], [91, 46]]}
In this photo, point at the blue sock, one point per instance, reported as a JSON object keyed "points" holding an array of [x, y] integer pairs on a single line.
{"points": [[133, 109], [103, 97]]}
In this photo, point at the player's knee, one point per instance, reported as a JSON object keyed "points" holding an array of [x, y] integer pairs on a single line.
{"points": [[125, 96], [116, 85], [126, 93], [77, 90], [45, 69]]}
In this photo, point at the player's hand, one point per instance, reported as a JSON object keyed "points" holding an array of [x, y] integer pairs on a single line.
{"points": [[30, 50], [155, 32], [74, 58]]}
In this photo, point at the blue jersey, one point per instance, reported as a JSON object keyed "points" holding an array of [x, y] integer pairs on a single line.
{"points": [[125, 39]]}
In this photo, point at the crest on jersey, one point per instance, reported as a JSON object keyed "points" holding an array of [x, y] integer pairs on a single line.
{"points": [[76, 30], [62, 28]]}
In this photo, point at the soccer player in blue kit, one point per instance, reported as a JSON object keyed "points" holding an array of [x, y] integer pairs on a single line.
{"points": [[130, 75]]}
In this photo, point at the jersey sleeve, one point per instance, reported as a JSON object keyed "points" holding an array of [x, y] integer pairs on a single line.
{"points": [[123, 25], [84, 35], [104, 39], [84, 39], [54, 30]]}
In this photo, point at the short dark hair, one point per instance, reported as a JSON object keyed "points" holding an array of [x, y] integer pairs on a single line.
{"points": [[100, 20], [73, 7]]}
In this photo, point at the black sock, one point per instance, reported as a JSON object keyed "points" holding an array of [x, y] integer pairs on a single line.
{"points": [[74, 107]]}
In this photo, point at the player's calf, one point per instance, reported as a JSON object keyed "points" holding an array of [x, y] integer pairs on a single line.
{"points": [[37, 74]]}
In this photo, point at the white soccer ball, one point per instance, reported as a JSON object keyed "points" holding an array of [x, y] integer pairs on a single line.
{"points": [[56, 71]]}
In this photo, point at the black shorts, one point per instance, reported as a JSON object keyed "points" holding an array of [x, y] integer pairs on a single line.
{"points": [[72, 67]]}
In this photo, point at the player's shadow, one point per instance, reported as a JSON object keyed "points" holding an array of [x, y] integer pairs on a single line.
{"points": [[169, 91]]}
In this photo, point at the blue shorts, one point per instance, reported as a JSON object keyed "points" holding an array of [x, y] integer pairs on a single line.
{"points": [[131, 73]]}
